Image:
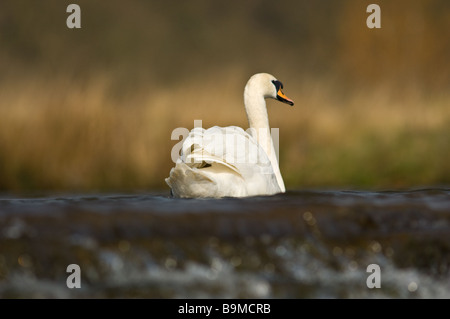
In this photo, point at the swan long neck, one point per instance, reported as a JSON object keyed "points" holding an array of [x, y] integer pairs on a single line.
{"points": [[258, 120]]}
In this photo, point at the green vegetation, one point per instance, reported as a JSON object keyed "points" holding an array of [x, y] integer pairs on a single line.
{"points": [[93, 109]]}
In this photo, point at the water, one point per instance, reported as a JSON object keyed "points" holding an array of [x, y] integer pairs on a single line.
{"points": [[302, 244]]}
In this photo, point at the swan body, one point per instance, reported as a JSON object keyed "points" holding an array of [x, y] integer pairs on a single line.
{"points": [[228, 161]]}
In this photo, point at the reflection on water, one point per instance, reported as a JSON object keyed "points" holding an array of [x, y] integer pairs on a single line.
{"points": [[302, 244]]}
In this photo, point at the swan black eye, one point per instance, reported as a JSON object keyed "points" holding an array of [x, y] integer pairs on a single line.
{"points": [[278, 84]]}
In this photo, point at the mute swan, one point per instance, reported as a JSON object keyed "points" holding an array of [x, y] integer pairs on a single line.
{"points": [[227, 161]]}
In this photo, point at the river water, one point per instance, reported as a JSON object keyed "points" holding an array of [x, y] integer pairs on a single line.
{"points": [[301, 244]]}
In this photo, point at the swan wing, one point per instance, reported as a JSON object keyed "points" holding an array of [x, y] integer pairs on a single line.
{"points": [[222, 161]]}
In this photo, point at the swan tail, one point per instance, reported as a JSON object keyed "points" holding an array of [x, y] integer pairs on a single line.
{"points": [[217, 179], [185, 181]]}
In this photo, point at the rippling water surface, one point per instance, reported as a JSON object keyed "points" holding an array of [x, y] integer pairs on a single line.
{"points": [[302, 244]]}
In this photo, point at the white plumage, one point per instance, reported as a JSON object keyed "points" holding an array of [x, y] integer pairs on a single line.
{"points": [[228, 161]]}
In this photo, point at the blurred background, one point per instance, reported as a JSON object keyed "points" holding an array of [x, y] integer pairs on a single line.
{"points": [[92, 109]]}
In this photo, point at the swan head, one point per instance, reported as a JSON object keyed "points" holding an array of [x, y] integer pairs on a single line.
{"points": [[268, 86]]}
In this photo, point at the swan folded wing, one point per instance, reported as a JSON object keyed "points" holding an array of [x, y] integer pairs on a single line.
{"points": [[199, 150], [231, 146], [228, 159]]}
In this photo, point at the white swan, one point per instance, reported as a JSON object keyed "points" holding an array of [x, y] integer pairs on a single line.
{"points": [[227, 161]]}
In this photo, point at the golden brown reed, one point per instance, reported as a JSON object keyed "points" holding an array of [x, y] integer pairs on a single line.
{"points": [[82, 137]]}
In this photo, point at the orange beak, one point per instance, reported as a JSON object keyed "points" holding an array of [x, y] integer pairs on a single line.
{"points": [[283, 98]]}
